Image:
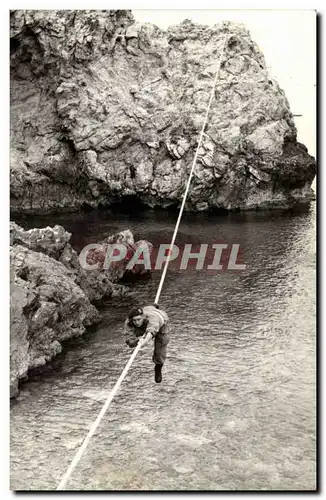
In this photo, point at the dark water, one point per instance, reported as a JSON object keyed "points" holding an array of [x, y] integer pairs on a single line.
{"points": [[236, 409]]}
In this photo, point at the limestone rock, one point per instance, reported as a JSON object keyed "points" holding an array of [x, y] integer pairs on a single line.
{"points": [[51, 293], [20, 296], [51, 241], [101, 281], [103, 108], [96, 283], [47, 307]]}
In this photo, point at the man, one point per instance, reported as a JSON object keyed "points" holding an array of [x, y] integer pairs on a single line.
{"points": [[144, 324]]}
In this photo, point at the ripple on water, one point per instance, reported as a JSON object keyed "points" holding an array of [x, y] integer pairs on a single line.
{"points": [[236, 409]]}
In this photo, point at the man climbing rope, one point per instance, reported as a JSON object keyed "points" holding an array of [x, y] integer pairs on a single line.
{"points": [[144, 324]]}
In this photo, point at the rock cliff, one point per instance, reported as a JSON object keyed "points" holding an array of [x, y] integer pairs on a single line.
{"points": [[52, 295], [103, 108]]}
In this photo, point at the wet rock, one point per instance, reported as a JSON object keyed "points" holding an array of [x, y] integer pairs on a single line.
{"points": [[51, 293], [98, 283], [20, 296], [101, 281], [103, 108], [51, 241], [47, 307]]}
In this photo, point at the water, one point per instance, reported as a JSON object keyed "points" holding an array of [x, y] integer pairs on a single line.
{"points": [[236, 409]]}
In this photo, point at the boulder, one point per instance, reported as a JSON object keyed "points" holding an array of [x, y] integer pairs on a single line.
{"points": [[101, 282]]}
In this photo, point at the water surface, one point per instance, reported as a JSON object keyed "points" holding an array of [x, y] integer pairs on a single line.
{"points": [[236, 409]]}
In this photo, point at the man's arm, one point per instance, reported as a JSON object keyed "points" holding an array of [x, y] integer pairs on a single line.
{"points": [[154, 324], [130, 336]]}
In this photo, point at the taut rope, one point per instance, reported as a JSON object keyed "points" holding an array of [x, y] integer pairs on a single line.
{"points": [[96, 423]]}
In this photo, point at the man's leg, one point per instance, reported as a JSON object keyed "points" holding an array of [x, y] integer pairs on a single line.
{"points": [[159, 355]]}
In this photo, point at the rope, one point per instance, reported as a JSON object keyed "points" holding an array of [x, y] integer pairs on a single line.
{"points": [[97, 422], [95, 425], [158, 293]]}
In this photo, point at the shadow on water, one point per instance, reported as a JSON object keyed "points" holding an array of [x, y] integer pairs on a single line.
{"points": [[90, 226]]}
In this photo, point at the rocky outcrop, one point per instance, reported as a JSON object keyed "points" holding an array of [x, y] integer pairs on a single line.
{"points": [[47, 307], [54, 242], [51, 294], [97, 283], [101, 282], [20, 297], [103, 108]]}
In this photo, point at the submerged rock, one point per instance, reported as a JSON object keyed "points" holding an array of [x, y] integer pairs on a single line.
{"points": [[103, 108], [51, 294]]}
